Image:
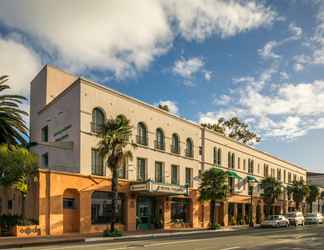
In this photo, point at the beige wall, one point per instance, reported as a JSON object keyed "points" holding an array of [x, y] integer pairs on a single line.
{"points": [[75, 103], [59, 113], [93, 96]]}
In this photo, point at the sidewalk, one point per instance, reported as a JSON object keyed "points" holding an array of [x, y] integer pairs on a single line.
{"points": [[12, 242]]}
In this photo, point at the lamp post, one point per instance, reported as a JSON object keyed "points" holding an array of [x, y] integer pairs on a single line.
{"points": [[251, 188]]}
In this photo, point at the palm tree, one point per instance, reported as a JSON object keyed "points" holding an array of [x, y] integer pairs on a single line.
{"points": [[272, 189], [114, 137], [213, 188], [12, 126], [312, 196], [299, 191]]}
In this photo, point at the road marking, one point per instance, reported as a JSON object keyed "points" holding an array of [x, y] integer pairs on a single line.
{"points": [[230, 248]]}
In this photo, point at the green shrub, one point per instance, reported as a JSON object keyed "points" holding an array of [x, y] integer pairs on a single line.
{"points": [[115, 233], [215, 226], [13, 220]]}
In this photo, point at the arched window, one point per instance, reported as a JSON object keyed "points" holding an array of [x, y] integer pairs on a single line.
{"points": [[142, 134], [159, 143], [233, 160], [189, 147], [175, 146], [98, 119], [219, 157], [215, 156]]}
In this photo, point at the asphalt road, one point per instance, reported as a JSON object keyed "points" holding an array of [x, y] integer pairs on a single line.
{"points": [[309, 237]]}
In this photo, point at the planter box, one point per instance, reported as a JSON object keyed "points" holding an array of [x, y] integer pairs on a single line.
{"points": [[25, 231]]}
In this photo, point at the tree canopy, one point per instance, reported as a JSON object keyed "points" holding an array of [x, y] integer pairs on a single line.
{"points": [[299, 191], [235, 129], [271, 192]]}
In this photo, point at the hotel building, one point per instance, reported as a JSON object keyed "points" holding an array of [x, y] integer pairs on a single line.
{"points": [[158, 188]]}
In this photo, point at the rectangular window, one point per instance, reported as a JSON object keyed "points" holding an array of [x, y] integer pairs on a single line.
{"points": [[295, 177], [141, 169], [159, 172], [175, 174], [250, 166], [68, 203], [289, 177], [258, 168], [45, 160], [244, 164], [10, 204], [284, 176], [101, 207], [265, 170], [180, 210], [239, 163], [189, 179], [279, 174], [97, 167], [122, 171], [45, 134]]}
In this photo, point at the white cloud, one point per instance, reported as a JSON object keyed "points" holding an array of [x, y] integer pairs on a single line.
{"points": [[187, 68], [284, 75], [200, 19], [20, 63], [267, 51], [122, 36], [208, 75], [173, 107], [295, 31]]}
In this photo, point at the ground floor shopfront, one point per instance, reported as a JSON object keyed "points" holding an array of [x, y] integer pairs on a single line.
{"points": [[73, 203]]}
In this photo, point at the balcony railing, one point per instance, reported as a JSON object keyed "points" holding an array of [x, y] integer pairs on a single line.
{"points": [[159, 145], [175, 149], [189, 153], [142, 140], [95, 127]]}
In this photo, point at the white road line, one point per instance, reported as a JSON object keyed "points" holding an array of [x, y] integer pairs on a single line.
{"points": [[230, 248]]}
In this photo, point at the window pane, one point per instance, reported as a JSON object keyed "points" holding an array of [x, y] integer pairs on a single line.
{"points": [[159, 173], [141, 169], [96, 163], [174, 175]]}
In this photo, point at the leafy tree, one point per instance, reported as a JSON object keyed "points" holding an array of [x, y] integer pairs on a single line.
{"points": [[299, 192], [12, 126], [18, 168], [164, 107], [312, 196], [235, 129], [272, 189], [213, 187], [114, 138]]}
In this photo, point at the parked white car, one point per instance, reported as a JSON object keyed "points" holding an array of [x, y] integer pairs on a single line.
{"points": [[314, 218], [296, 218], [275, 221]]}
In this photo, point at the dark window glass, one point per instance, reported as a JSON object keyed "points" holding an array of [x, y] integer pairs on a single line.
{"points": [[159, 143], [45, 160], [10, 204], [97, 167], [142, 137], [45, 134], [215, 156], [189, 148], [159, 172], [189, 180], [175, 146], [174, 174], [68, 203], [101, 207], [141, 169], [219, 157], [98, 119], [180, 210]]}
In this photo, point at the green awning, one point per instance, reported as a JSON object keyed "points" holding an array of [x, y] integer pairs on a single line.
{"points": [[233, 174], [251, 178]]}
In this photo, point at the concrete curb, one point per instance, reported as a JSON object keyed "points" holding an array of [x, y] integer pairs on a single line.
{"points": [[94, 240], [40, 243]]}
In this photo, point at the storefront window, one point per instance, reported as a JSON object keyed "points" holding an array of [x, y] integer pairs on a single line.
{"points": [[180, 210], [101, 208]]}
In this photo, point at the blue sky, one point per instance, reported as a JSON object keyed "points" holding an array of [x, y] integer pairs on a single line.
{"points": [[259, 60]]}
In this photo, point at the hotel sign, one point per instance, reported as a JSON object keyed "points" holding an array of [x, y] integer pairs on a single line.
{"points": [[159, 188]]}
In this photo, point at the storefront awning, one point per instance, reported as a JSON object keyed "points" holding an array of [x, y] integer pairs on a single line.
{"points": [[251, 178], [233, 174], [154, 188]]}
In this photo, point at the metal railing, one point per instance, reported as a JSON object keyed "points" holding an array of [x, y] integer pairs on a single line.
{"points": [[159, 145], [142, 140], [175, 149]]}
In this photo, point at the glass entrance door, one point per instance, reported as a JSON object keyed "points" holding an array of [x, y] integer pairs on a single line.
{"points": [[145, 213]]}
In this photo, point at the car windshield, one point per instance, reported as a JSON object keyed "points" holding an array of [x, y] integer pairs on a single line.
{"points": [[311, 215], [273, 217]]}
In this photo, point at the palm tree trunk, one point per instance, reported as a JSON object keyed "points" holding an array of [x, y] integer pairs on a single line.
{"points": [[23, 198], [114, 186], [213, 212]]}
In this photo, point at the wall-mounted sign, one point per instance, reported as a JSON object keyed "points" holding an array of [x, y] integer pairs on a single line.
{"points": [[153, 187]]}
